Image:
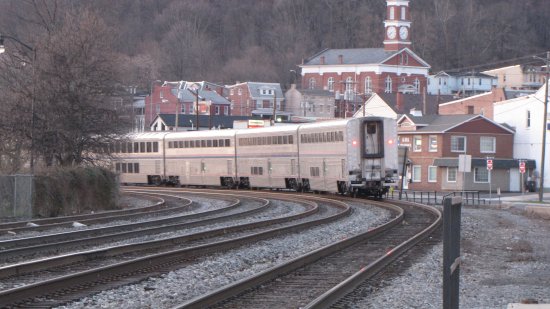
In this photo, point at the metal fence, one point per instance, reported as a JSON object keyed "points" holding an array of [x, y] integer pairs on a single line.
{"points": [[16, 194], [437, 198]]}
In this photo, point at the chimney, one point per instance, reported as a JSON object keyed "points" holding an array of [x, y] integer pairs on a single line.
{"points": [[399, 102], [340, 59], [322, 60]]}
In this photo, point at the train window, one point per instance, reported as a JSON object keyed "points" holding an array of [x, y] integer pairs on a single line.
{"points": [[123, 147], [136, 147], [314, 171], [180, 144], [170, 144], [197, 144], [215, 143], [209, 143], [155, 146], [280, 140], [227, 143], [149, 147], [129, 147], [186, 144], [290, 139], [141, 146], [203, 143], [285, 139], [302, 138], [316, 137], [340, 136], [130, 168], [136, 168], [117, 167], [324, 137], [191, 144], [332, 136], [123, 165]]}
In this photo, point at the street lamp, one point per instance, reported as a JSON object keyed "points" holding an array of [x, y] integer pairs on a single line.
{"points": [[33, 50], [545, 119], [194, 89]]}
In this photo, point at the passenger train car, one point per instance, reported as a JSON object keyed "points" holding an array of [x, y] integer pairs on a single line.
{"points": [[356, 155]]}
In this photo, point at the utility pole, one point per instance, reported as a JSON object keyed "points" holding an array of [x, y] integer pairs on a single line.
{"points": [[545, 117], [274, 105]]}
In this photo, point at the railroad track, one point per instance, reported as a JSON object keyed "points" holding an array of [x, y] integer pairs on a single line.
{"points": [[84, 282], [48, 223], [321, 278], [91, 236]]}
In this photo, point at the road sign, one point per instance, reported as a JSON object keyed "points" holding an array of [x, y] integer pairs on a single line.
{"points": [[489, 164], [522, 167]]}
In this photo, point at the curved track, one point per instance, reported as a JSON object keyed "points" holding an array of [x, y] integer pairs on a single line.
{"points": [[74, 285], [320, 278]]}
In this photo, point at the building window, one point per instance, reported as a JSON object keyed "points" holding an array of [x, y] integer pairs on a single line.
{"points": [[312, 83], [330, 83], [239, 91], [417, 85], [481, 174], [417, 143], [226, 110], [504, 77], [403, 13], [417, 173], [451, 174], [388, 85], [487, 144], [368, 85], [528, 120], [217, 110], [183, 108], [458, 143], [432, 173], [432, 143], [392, 12], [470, 109]]}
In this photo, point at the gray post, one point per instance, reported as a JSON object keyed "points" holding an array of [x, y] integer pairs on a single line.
{"points": [[451, 251]]}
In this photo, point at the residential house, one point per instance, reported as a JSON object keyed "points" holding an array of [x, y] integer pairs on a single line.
{"points": [[478, 104], [250, 96], [166, 122], [393, 105], [311, 103], [519, 77], [526, 115], [182, 97], [351, 73], [460, 84], [435, 142]]}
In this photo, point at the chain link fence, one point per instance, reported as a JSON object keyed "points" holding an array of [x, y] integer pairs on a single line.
{"points": [[16, 194]]}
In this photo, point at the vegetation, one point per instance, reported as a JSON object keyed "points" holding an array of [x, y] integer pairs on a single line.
{"points": [[69, 191]]}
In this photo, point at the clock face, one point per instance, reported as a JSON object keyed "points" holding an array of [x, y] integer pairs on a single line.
{"points": [[403, 33], [391, 32]]}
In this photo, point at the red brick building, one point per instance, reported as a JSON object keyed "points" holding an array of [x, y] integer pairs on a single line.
{"points": [[176, 97], [478, 104], [435, 143], [354, 72]]}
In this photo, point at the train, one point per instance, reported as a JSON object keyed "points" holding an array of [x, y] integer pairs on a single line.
{"points": [[346, 156]]}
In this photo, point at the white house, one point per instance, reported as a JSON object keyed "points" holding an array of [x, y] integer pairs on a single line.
{"points": [[463, 84], [525, 114]]}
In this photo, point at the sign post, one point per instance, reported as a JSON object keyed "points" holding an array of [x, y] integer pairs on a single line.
{"points": [[464, 166], [490, 168]]}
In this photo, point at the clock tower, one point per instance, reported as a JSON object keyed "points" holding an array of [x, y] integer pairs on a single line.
{"points": [[397, 25]]}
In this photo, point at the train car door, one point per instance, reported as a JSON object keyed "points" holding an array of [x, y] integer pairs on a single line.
{"points": [[269, 173], [325, 185], [203, 171], [187, 171]]}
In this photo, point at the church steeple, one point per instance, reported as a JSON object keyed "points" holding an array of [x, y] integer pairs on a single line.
{"points": [[397, 25]]}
